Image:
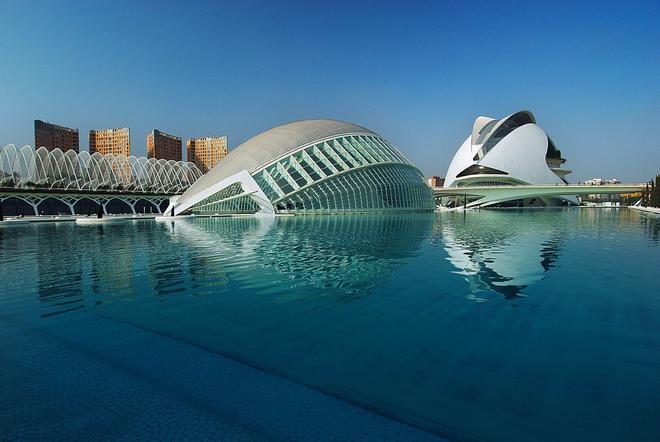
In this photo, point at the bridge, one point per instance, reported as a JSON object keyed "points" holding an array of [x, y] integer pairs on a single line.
{"points": [[76, 201], [489, 195], [56, 181]]}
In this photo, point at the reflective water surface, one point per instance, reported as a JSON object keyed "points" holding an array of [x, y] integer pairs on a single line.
{"points": [[537, 324]]}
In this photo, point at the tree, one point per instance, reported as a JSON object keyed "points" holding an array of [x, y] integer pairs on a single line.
{"points": [[652, 194]]}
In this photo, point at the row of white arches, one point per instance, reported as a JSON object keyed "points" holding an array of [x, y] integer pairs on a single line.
{"points": [[27, 168]]}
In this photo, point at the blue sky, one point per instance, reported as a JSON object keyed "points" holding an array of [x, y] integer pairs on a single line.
{"points": [[418, 73]]}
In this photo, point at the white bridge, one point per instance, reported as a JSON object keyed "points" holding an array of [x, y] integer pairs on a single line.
{"points": [[35, 197], [489, 195]]}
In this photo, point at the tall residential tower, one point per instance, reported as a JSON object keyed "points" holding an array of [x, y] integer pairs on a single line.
{"points": [[206, 152], [110, 141], [163, 146], [52, 136]]}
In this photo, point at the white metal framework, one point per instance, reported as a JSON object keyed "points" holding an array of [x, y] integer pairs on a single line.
{"points": [[26, 168], [311, 166]]}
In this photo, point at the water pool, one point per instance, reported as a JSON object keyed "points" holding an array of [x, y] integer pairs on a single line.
{"points": [[498, 325]]}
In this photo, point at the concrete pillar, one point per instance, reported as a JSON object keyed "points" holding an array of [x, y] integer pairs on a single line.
{"points": [[70, 206], [131, 205]]}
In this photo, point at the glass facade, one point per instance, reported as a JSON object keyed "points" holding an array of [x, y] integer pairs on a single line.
{"points": [[350, 173], [231, 199]]}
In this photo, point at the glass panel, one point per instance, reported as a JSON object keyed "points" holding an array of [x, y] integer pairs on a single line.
{"points": [[280, 180], [320, 164]]}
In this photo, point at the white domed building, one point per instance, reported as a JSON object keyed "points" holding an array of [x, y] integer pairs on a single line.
{"points": [[510, 151], [309, 167]]}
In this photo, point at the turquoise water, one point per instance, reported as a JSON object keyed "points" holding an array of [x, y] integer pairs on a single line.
{"points": [[497, 325]]}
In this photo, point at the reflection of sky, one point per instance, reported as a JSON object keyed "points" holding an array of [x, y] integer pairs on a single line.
{"points": [[499, 253]]}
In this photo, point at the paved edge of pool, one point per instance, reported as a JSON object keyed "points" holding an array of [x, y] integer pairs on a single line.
{"points": [[94, 377]]}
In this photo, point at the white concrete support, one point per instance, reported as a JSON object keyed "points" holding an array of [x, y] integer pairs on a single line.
{"points": [[132, 206], [246, 182]]}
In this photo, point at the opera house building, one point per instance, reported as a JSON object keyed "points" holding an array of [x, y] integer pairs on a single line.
{"points": [[310, 166], [510, 151]]}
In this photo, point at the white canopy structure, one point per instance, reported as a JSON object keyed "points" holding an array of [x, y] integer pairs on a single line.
{"points": [[26, 168]]}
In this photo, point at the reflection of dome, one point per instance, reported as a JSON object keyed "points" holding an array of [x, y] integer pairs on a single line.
{"points": [[336, 254], [317, 166], [513, 150], [513, 255]]}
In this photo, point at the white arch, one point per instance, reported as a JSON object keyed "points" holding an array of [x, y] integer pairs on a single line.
{"points": [[26, 168]]}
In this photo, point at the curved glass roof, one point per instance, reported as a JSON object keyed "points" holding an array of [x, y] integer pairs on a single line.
{"points": [[271, 145], [329, 167]]}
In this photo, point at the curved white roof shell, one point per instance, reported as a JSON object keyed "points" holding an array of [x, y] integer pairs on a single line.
{"points": [[510, 150], [268, 146], [310, 166]]}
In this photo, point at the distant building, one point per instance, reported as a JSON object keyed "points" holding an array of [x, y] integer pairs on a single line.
{"points": [[206, 152], [163, 146], [600, 182], [436, 181], [52, 136], [110, 141]]}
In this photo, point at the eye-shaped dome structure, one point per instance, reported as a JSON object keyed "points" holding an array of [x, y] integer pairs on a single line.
{"points": [[512, 150], [310, 166]]}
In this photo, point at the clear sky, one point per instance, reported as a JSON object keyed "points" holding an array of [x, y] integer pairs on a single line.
{"points": [[416, 72]]}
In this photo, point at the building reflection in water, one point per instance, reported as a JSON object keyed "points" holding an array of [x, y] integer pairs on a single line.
{"points": [[497, 252], [347, 255], [144, 261], [59, 270], [111, 260]]}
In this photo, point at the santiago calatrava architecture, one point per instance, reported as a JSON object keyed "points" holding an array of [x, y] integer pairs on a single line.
{"points": [[28, 169], [510, 151], [304, 167], [310, 166]]}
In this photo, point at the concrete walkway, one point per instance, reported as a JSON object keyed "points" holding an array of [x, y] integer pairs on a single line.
{"points": [[655, 210]]}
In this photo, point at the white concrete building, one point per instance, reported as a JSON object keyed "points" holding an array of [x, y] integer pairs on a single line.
{"points": [[510, 151]]}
